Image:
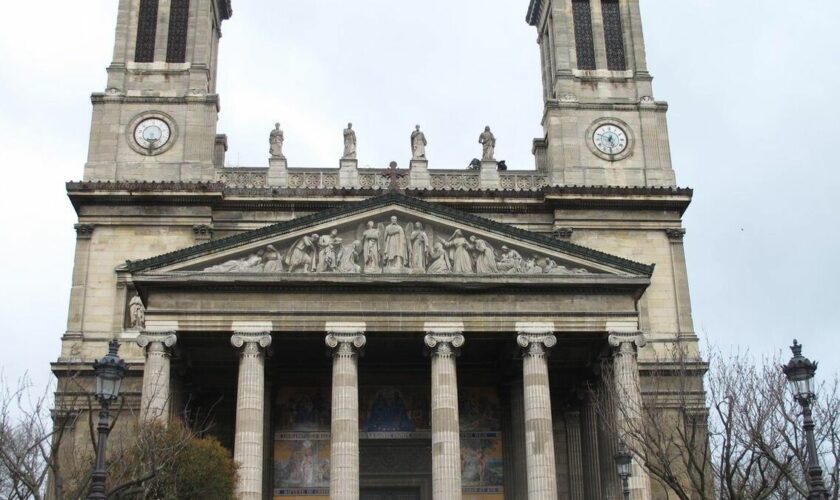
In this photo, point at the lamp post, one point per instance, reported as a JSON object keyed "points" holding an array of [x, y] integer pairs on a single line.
{"points": [[800, 373], [623, 460], [109, 372]]}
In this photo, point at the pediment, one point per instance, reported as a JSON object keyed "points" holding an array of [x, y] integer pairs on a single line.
{"points": [[391, 236]]}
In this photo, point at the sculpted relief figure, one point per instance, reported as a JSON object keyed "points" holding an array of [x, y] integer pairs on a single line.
{"points": [[488, 144], [396, 247], [439, 257], [327, 254], [272, 263], [302, 256], [485, 261], [348, 258], [419, 247], [136, 313], [459, 253], [371, 251], [418, 144], [275, 140], [510, 261], [349, 143], [250, 264]]}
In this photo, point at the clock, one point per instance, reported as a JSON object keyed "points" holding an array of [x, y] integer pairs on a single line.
{"points": [[152, 134], [610, 139]]}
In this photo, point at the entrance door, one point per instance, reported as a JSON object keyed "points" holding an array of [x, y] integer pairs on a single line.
{"points": [[390, 494]]}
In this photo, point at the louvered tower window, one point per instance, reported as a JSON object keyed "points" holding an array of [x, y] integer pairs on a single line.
{"points": [[584, 44], [179, 15], [144, 50], [613, 35]]}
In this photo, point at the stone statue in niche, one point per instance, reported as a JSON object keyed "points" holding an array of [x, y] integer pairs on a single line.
{"points": [[485, 260], [302, 256], [371, 241], [418, 144], [250, 264], [136, 313], [275, 140], [488, 144], [459, 253], [510, 261], [348, 258], [419, 254], [439, 259], [327, 252], [349, 143], [396, 248]]}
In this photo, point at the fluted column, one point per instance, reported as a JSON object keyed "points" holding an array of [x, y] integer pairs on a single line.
{"points": [[444, 343], [250, 411], [345, 341], [589, 448], [535, 340], [629, 414], [154, 400]]}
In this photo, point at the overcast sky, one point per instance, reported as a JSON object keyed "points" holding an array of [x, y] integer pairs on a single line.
{"points": [[753, 88]]}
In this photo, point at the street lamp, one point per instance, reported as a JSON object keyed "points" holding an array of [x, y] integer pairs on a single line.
{"points": [[109, 372], [800, 373], [623, 460]]}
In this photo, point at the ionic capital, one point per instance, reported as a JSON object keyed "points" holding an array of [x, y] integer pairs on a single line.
{"points": [[444, 345], [345, 344], [624, 343], [251, 342], [157, 341], [535, 337]]}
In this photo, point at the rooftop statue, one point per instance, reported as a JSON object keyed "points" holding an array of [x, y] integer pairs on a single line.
{"points": [[488, 143], [275, 140], [349, 143], [418, 144]]}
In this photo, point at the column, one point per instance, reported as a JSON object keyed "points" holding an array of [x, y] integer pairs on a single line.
{"points": [[444, 342], [629, 413], [154, 400], [250, 410], [345, 340], [589, 447], [535, 340]]}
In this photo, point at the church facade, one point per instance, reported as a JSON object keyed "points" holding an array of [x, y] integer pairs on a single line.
{"points": [[384, 334]]}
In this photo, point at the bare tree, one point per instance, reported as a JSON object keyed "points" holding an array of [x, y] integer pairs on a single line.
{"points": [[35, 447], [740, 439]]}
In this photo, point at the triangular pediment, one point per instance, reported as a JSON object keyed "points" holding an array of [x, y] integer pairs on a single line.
{"points": [[391, 236]]}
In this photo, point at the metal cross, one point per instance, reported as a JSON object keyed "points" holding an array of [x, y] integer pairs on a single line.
{"points": [[393, 175]]}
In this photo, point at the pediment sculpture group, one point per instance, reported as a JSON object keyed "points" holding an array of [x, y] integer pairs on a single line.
{"points": [[393, 249]]}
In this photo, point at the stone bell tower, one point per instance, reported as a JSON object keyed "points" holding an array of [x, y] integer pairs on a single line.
{"points": [[156, 120], [602, 124]]}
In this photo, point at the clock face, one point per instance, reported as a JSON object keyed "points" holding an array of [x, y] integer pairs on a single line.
{"points": [[610, 139], [152, 134]]}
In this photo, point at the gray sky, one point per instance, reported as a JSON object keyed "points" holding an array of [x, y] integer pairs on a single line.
{"points": [[752, 87]]}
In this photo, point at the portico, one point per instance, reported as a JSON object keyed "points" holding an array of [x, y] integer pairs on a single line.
{"points": [[481, 377]]}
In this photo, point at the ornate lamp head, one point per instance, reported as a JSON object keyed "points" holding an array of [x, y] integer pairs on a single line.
{"points": [[800, 372], [109, 372], [623, 459]]}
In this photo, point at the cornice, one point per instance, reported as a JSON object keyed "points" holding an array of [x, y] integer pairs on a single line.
{"points": [[217, 195]]}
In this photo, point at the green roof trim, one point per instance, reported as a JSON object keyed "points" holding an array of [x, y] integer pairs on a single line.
{"points": [[390, 198]]}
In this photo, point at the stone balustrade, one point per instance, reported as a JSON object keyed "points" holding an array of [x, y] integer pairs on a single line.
{"points": [[351, 176]]}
